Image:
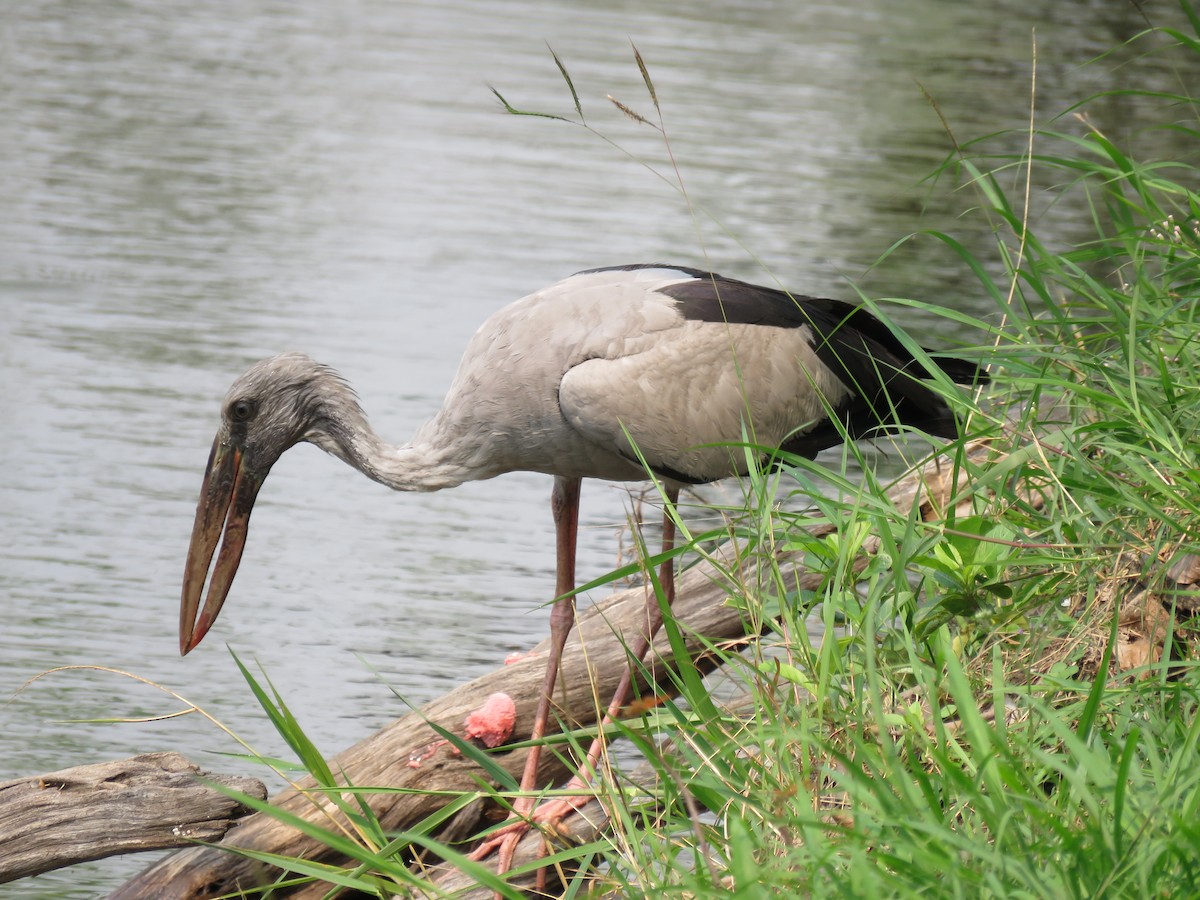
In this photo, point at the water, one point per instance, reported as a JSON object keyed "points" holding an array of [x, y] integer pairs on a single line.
{"points": [[189, 187]]}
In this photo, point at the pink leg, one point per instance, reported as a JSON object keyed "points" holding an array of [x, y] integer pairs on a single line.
{"points": [[553, 811], [564, 503], [566, 516]]}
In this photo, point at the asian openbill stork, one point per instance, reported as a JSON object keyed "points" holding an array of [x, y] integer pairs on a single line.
{"points": [[584, 379]]}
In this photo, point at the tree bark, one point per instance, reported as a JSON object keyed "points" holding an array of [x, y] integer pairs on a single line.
{"points": [[150, 802]]}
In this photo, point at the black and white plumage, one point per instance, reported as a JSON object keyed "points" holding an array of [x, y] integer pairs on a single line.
{"points": [[676, 360], [681, 364]]}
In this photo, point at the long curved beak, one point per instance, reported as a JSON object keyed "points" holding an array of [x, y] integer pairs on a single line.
{"points": [[226, 499]]}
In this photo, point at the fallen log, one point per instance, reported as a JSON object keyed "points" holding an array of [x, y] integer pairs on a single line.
{"points": [[151, 802], [407, 753], [593, 663]]}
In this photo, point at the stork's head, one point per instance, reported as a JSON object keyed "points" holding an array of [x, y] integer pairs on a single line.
{"points": [[277, 403]]}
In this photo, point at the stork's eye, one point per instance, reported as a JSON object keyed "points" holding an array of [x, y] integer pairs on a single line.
{"points": [[242, 410]]}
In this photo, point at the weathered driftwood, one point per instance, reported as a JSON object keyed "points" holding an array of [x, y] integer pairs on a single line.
{"points": [[150, 802], [594, 660], [592, 665]]}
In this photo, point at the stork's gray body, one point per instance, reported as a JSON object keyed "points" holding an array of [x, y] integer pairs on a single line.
{"points": [[680, 364], [552, 382]]}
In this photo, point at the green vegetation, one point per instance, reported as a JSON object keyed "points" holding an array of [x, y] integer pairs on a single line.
{"points": [[1004, 698]]}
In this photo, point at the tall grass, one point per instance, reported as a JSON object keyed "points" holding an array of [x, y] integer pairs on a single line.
{"points": [[972, 723], [1002, 700]]}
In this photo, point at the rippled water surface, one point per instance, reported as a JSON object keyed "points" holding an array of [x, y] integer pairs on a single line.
{"points": [[188, 187]]}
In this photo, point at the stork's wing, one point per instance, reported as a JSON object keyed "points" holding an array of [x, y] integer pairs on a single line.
{"points": [[748, 362], [689, 395]]}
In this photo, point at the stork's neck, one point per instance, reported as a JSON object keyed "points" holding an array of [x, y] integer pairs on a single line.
{"points": [[419, 465]]}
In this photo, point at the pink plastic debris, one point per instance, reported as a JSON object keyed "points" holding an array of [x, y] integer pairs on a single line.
{"points": [[492, 724]]}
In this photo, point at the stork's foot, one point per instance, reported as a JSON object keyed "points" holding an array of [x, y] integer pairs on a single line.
{"points": [[503, 842], [547, 819], [550, 815]]}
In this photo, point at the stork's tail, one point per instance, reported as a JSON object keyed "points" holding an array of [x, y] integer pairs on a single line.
{"points": [[960, 371]]}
